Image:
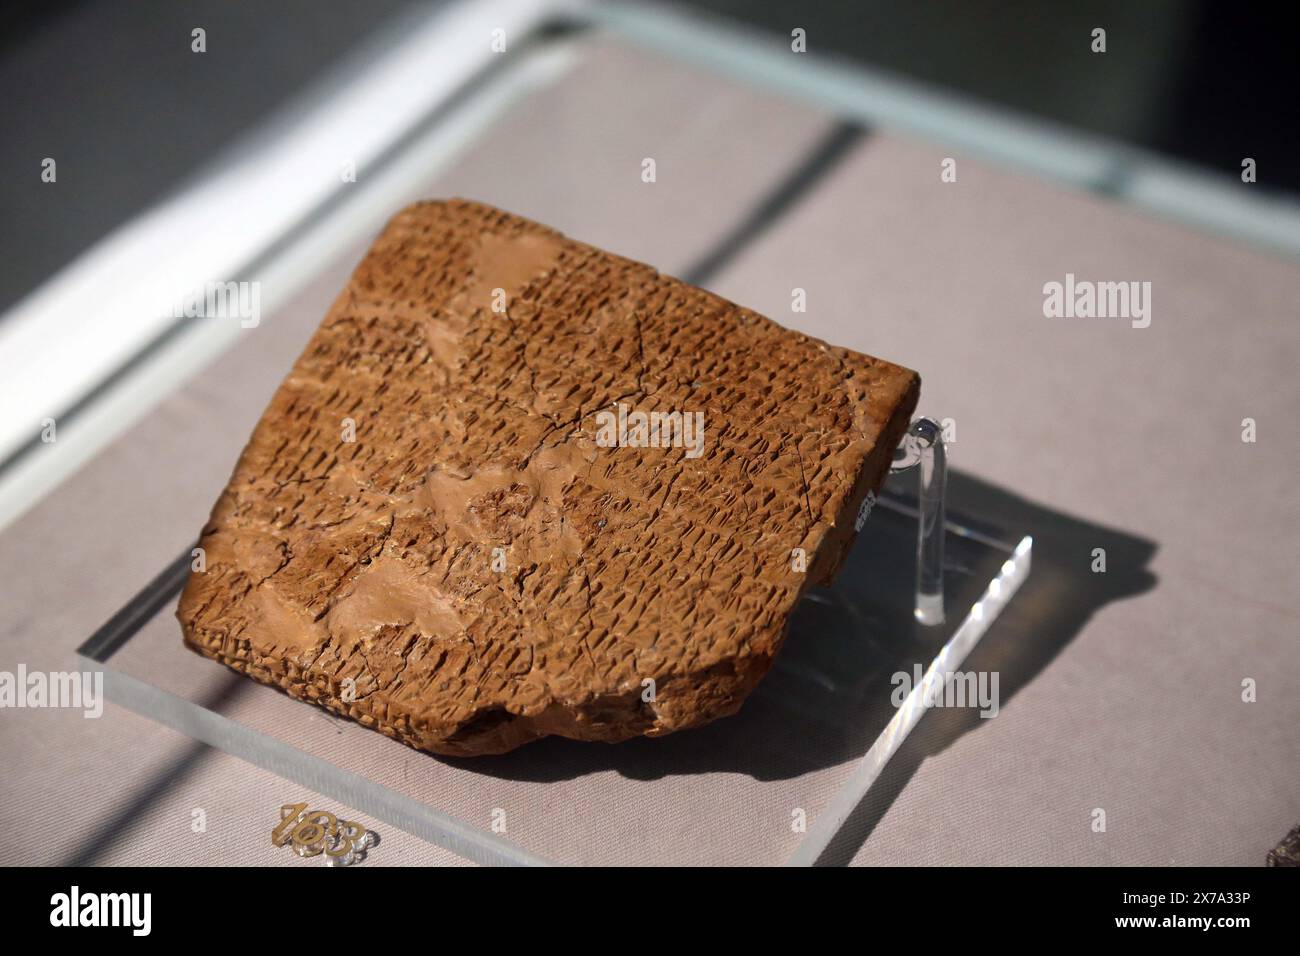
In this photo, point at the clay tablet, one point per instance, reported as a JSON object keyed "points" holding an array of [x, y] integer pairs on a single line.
{"points": [[519, 486]]}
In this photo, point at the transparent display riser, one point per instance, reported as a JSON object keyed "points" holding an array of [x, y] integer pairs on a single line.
{"points": [[771, 785]]}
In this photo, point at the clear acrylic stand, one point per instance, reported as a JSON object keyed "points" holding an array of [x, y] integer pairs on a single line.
{"points": [[922, 449], [773, 784]]}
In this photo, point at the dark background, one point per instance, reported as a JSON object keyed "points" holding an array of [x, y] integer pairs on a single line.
{"points": [[112, 92]]}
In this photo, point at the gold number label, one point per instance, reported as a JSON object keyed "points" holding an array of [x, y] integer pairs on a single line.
{"points": [[289, 814], [312, 832]]}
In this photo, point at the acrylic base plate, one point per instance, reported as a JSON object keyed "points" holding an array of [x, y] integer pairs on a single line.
{"points": [[771, 785]]}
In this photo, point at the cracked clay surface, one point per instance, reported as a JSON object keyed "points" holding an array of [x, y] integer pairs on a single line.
{"points": [[474, 571]]}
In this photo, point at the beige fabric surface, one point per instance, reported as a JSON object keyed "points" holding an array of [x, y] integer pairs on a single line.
{"points": [[1120, 691]]}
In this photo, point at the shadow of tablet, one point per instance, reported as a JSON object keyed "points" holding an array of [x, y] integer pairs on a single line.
{"points": [[832, 688]]}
